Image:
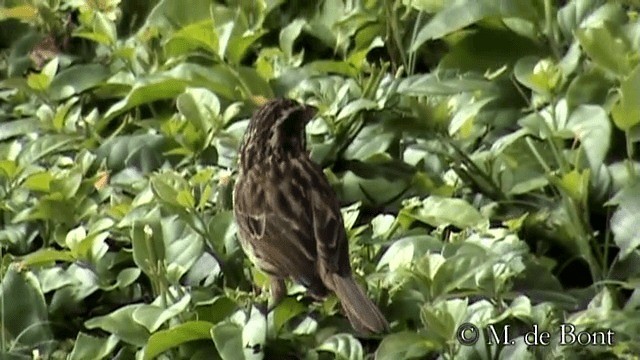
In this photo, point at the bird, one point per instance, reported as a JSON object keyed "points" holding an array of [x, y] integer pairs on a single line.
{"points": [[288, 216]]}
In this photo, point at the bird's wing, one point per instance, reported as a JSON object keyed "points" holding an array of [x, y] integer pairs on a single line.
{"points": [[328, 227], [274, 217]]}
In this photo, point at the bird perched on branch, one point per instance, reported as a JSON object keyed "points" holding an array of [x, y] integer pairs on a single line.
{"points": [[289, 219]]}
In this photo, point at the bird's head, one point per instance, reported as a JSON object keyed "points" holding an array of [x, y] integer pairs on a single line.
{"points": [[276, 131]]}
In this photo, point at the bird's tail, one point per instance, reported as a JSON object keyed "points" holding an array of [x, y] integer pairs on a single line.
{"points": [[362, 313]]}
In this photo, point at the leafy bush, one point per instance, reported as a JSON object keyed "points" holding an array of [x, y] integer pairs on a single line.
{"points": [[485, 152]]}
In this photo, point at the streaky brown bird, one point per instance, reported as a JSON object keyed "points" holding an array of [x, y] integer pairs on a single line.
{"points": [[288, 217]]}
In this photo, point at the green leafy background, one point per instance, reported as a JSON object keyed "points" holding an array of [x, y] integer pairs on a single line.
{"points": [[485, 152]]}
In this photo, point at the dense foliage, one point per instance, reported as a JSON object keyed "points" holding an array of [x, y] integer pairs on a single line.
{"points": [[485, 152]]}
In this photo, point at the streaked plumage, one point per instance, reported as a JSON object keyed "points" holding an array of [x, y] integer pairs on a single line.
{"points": [[288, 216]]}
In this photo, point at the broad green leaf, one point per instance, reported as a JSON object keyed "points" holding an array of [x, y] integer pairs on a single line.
{"points": [[438, 211], [167, 186], [607, 50], [164, 340], [121, 324], [466, 114], [200, 107], [580, 14], [460, 271], [375, 189], [444, 317], [461, 14], [77, 79], [153, 316], [624, 220], [542, 76], [490, 49], [44, 146], [144, 152], [40, 181], [404, 251], [592, 127], [428, 6], [434, 84], [222, 227], [145, 91], [183, 246], [370, 141], [25, 321], [626, 112], [285, 311], [170, 14], [590, 87], [9, 129], [27, 13], [42, 80], [575, 184], [227, 337], [91, 347], [46, 256], [404, 345], [355, 107], [332, 67], [148, 246], [343, 346], [289, 34], [197, 35]]}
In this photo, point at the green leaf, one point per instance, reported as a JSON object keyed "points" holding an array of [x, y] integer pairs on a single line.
{"points": [[444, 317], [193, 36], [158, 87], [91, 347], [153, 316], [542, 76], [289, 34], [148, 246], [435, 84], [9, 129], [489, 49], [164, 340], [592, 127], [121, 324], [404, 251], [624, 221], [227, 337], [438, 211], [27, 13], [200, 107], [25, 320], [355, 107], [404, 345], [46, 256], [77, 79], [606, 49], [464, 13], [626, 112], [591, 87], [575, 184], [285, 311], [183, 246], [40, 181], [42, 147], [143, 151], [370, 141], [343, 346], [42, 80]]}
